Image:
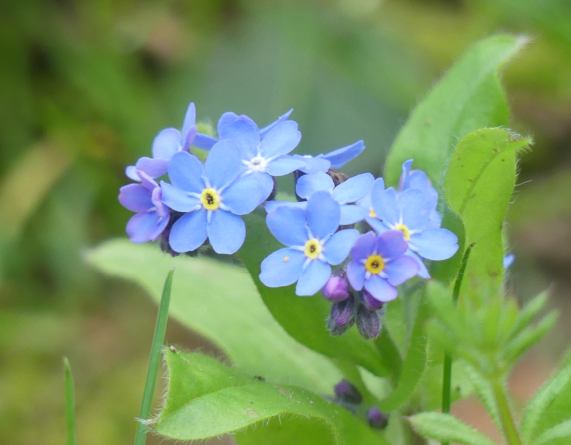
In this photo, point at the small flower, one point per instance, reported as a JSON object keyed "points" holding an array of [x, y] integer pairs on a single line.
{"points": [[334, 159], [151, 215], [346, 194], [376, 418], [411, 213], [165, 145], [342, 316], [347, 392], [379, 265], [212, 198], [313, 244], [368, 322], [419, 180], [337, 288], [509, 260]]}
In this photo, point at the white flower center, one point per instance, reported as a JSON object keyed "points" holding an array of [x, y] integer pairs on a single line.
{"points": [[257, 164]]}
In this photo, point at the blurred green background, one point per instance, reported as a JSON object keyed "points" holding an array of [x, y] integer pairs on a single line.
{"points": [[85, 85]]}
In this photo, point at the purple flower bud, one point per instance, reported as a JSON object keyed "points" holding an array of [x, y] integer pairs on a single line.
{"points": [[342, 316], [376, 418], [346, 392], [337, 288], [368, 323], [370, 302]]}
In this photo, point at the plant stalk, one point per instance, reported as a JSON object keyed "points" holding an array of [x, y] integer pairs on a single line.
{"points": [[69, 403], [506, 418]]}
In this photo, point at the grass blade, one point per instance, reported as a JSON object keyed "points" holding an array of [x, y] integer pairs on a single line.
{"points": [[69, 403]]}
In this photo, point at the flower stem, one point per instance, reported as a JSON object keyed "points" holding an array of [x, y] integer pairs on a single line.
{"points": [[447, 369], [506, 418], [154, 361], [69, 403]]}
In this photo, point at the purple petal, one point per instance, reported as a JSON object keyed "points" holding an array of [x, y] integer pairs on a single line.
{"points": [[380, 289], [135, 197], [313, 278], [152, 167], [391, 244], [364, 246], [147, 226]]}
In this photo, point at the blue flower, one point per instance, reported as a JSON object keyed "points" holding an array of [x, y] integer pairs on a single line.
{"points": [[411, 213], [508, 260], [379, 264], [206, 142], [334, 159], [419, 180], [313, 245], [346, 194], [165, 145], [151, 215], [212, 197]]}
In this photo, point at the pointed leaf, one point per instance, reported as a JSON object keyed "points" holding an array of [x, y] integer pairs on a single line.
{"points": [[447, 428]]}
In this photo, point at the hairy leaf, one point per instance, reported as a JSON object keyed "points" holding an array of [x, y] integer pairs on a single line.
{"points": [[561, 431], [445, 427]]}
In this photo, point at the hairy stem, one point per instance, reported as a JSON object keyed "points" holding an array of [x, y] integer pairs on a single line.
{"points": [[506, 418]]}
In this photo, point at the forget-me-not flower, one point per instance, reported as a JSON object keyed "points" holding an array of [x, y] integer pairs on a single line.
{"points": [[166, 144], [334, 159], [313, 244], [419, 180], [379, 264], [151, 215], [212, 197]]}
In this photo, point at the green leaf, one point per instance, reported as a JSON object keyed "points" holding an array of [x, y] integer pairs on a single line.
{"points": [[468, 97], [219, 301], [207, 399], [484, 391], [529, 337], [69, 404], [534, 414], [304, 318], [528, 313], [479, 184], [558, 432], [447, 428]]}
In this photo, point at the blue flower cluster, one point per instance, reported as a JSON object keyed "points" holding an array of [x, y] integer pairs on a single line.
{"points": [[353, 239]]}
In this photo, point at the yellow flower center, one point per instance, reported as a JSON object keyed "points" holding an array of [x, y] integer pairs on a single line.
{"points": [[404, 230], [312, 249], [375, 264], [210, 199], [372, 213]]}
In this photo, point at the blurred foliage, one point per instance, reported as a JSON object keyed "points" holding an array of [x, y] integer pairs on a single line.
{"points": [[86, 84]]}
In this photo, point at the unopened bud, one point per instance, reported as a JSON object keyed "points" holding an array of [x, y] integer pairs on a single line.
{"points": [[342, 316], [376, 418], [370, 302], [345, 391], [368, 323], [337, 288]]}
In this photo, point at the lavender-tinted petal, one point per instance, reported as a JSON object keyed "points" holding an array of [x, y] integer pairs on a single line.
{"points": [[189, 123], [282, 268], [313, 278], [223, 164], [186, 172], [178, 199], [280, 140], [337, 288], [226, 232], [385, 203], [307, 185], [356, 275], [284, 165], [380, 289], [146, 226], [364, 246], [391, 244], [338, 246], [282, 118], [323, 214], [188, 232], [247, 193], [351, 214], [288, 225], [400, 269], [152, 167], [204, 141], [135, 197], [131, 173], [167, 143], [354, 188], [434, 244], [338, 158]]}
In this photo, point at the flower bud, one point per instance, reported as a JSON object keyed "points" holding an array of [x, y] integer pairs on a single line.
{"points": [[368, 323], [376, 418], [370, 302], [342, 316], [337, 288], [346, 392]]}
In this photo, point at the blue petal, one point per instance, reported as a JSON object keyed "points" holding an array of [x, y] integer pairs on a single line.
{"points": [[232, 126], [385, 203], [178, 199], [391, 244], [223, 164], [313, 278], [351, 214], [270, 206], [356, 275], [338, 158], [226, 232], [204, 141], [189, 122], [131, 173], [422, 269], [284, 165], [188, 232], [508, 260], [282, 268], [147, 226], [307, 185], [434, 244], [339, 245], [282, 118], [135, 197], [186, 172], [323, 214], [167, 143], [380, 289], [247, 193], [280, 140], [364, 246], [415, 209], [401, 269], [403, 180], [353, 189], [152, 167], [313, 164], [377, 225], [288, 225]]}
